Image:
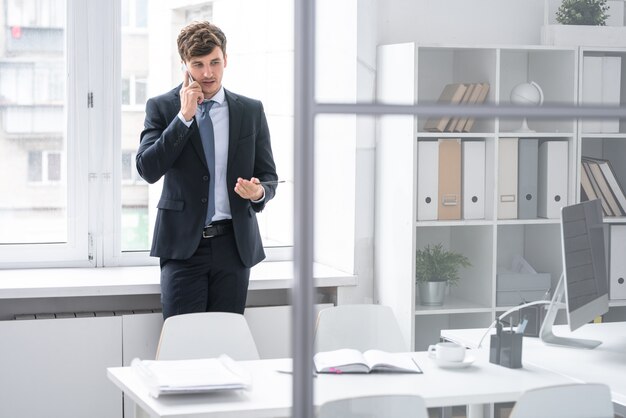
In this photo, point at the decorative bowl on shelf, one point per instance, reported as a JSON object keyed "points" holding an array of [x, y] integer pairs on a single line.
{"points": [[527, 94]]}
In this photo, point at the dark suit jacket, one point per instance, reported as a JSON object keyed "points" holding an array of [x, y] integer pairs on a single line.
{"points": [[171, 149]]}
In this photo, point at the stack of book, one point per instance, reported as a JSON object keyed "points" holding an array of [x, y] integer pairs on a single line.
{"points": [[458, 93], [598, 181], [172, 377]]}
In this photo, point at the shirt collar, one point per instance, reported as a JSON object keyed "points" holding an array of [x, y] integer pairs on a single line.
{"points": [[219, 97]]}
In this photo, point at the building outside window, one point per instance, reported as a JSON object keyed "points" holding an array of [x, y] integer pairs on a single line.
{"points": [[32, 122]]}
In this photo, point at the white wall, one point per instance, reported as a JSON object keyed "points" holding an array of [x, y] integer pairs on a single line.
{"points": [[460, 21]]}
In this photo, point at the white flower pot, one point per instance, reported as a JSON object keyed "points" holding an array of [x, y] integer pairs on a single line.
{"points": [[583, 35], [432, 293]]}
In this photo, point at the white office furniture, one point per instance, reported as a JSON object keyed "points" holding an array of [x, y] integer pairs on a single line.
{"points": [[361, 327], [578, 400], [271, 393], [409, 73], [604, 364], [53, 367], [206, 334], [389, 406]]}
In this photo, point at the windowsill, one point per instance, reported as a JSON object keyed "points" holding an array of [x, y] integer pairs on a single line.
{"points": [[112, 281]]}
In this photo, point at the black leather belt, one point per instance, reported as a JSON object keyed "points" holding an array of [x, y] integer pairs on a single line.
{"points": [[217, 228]]}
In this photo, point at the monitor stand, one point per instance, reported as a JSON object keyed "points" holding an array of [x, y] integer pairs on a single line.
{"points": [[546, 334]]}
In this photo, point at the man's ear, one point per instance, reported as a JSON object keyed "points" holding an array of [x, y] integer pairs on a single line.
{"points": [[225, 60]]}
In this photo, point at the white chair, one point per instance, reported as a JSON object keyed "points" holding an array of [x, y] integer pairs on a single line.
{"points": [[585, 400], [204, 335], [361, 327], [384, 406]]}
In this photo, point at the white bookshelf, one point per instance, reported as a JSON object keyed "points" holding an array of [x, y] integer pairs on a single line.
{"points": [[410, 74]]}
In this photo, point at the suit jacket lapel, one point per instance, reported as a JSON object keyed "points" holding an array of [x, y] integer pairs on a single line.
{"points": [[235, 113], [195, 139]]}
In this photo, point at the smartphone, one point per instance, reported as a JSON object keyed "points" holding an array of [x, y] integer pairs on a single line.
{"points": [[184, 68]]}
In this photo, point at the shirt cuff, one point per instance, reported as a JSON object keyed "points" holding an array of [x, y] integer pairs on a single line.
{"points": [[262, 197], [182, 119]]}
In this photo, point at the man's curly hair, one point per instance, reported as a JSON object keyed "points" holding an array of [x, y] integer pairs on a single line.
{"points": [[198, 39]]}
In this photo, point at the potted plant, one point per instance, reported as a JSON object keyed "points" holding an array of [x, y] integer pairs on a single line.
{"points": [[583, 12], [586, 23], [435, 269]]}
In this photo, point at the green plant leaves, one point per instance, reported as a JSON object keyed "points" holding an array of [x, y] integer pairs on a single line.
{"points": [[434, 263], [583, 12]]}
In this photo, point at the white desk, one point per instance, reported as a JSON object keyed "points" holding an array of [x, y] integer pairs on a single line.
{"points": [[271, 393], [604, 364]]}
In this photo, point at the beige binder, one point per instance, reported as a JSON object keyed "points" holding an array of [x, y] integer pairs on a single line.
{"points": [[507, 178], [449, 179]]}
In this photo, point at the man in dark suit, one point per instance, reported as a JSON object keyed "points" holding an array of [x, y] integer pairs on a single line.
{"points": [[213, 149]]}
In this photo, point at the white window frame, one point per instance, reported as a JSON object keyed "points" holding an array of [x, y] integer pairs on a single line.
{"points": [[45, 180], [133, 104], [92, 162], [74, 252]]}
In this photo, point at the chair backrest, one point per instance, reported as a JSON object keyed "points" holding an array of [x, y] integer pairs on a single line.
{"points": [[205, 335], [361, 327], [584, 400], [384, 406]]}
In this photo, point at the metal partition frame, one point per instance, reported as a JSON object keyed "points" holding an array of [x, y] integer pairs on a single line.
{"points": [[306, 109]]}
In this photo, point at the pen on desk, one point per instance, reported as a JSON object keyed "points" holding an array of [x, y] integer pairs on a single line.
{"points": [[290, 372]]}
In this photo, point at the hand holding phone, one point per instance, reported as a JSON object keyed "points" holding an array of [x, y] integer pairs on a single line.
{"points": [[190, 94], [186, 70]]}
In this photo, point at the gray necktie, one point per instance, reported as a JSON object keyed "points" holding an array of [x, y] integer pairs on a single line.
{"points": [[205, 125]]}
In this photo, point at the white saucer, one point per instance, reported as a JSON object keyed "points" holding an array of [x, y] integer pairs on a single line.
{"points": [[469, 359]]}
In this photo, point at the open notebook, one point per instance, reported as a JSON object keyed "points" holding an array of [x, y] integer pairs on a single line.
{"points": [[168, 377], [347, 360]]}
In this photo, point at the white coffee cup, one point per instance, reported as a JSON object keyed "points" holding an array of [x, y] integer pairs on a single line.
{"points": [[447, 351]]}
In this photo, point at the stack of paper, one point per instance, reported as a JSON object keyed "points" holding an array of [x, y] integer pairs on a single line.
{"points": [[167, 377]]}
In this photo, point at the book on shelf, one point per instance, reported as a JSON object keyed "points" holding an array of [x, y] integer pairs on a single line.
{"points": [[465, 100], [596, 189], [451, 94], [611, 189], [472, 99], [585, 185], [348, 360], [483, 91], [171, 377]]}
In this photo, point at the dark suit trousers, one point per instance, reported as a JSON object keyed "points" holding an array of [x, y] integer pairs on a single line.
{"points": [[212, 280]]}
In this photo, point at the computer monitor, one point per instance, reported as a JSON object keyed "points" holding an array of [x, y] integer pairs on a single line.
{"points": [[584, 282]]}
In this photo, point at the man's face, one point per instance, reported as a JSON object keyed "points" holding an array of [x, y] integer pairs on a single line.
{"points": [[208, 70]]}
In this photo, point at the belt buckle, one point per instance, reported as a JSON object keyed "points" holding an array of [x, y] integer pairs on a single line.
{"points": [[206, 234]]}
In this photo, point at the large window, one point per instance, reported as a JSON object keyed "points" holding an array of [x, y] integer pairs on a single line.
{"points": [[150, 65], [72, 101], [36, 203]]}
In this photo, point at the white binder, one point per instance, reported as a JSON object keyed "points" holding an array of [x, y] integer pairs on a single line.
{"points": [[427, 180], [528, 152], [617, 266], [552, 181], [473, 179], [592, 90], [507, 178], [611, 78]]}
